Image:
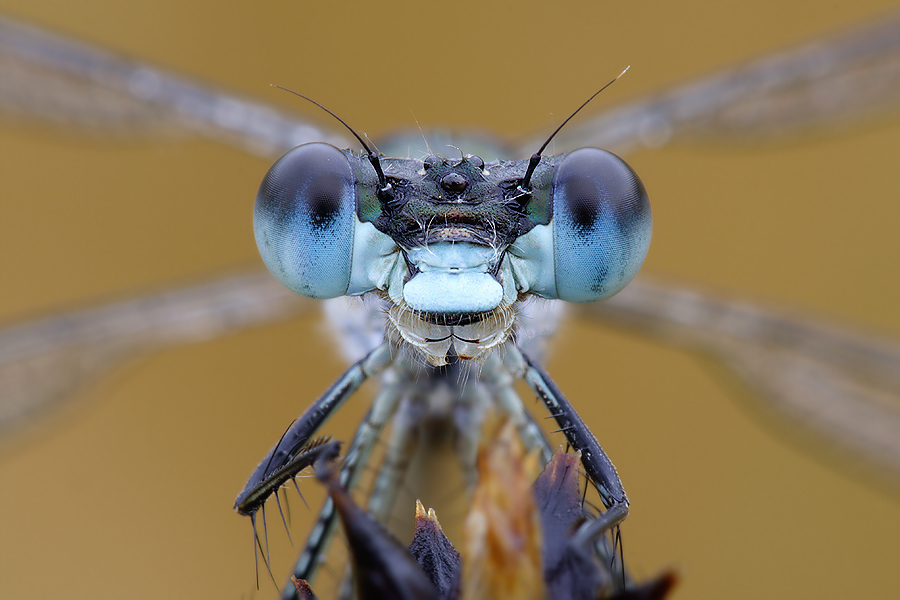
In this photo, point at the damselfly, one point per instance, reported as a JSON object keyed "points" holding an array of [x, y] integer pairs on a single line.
{"points": [[450, 250], [725, 250]]}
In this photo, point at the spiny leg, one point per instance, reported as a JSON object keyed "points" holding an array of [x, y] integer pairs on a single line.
{"points": [[591, 532], [276, 468], [607, 545], [320, 448], [599, 469], [296, 449]]}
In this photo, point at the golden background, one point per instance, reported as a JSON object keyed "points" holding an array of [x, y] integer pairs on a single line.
{"points": [[127, 492]]}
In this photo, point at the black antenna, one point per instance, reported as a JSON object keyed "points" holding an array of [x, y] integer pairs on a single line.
{"points": [[525, 186], [385, 189]]}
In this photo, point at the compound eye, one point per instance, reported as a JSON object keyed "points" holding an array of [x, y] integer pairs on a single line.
{"points": [[601, 225], [304, 220]]}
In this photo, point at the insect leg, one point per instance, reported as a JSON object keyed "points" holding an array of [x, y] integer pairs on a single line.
{"points": [[599, 468], [401, 448], [383, 408], [509, 401], [400, 451], [496, 373], [468, 415], [273, 471]]}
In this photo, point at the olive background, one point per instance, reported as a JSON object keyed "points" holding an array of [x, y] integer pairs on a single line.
{"points": [[127, 491]]}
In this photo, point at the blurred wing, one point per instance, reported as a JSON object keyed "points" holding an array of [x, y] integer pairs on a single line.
{"points": [[830, 83], [45, 361], [841, 386], [60, 81]]}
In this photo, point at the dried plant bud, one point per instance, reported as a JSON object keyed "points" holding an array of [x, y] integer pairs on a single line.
{"points": [[502, 547], [435, 553]]}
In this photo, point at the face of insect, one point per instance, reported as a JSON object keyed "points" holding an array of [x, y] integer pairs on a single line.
{"points": [[452, 245]]}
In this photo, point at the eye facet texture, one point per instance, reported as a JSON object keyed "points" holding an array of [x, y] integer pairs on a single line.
{"points": [[304, 220], [601, 225]]}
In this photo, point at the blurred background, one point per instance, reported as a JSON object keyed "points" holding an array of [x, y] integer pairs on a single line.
{"points": [[127, 491]]}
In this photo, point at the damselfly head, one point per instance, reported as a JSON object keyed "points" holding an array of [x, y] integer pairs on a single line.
{"points": [[452, 244]]}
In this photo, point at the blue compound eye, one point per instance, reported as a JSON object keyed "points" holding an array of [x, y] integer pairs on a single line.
{"points": [[304, 220], [601, 225]]}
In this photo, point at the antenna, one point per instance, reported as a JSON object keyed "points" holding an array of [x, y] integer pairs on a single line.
{"points": [[385, 191], [525, 186]]}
